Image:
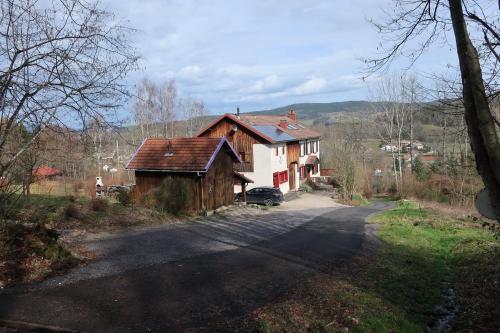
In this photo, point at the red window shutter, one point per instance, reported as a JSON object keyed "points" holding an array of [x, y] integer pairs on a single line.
{"points": [[286, 176], [276, 180]]}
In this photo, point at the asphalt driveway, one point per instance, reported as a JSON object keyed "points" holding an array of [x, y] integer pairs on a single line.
{"points": [[188, 277]]}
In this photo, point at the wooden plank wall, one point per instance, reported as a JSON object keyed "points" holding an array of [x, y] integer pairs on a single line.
{"points": [[146, 182], [242, 141], [218, 183], [293, 152]]}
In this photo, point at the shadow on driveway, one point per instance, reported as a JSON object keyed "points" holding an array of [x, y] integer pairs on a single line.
{"points": [[192, 292]]}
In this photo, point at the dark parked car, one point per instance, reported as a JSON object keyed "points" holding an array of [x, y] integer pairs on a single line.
{"points": [[263, 195]]}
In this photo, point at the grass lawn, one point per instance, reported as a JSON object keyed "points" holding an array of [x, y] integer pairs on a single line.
{"points": [[426, 264]]}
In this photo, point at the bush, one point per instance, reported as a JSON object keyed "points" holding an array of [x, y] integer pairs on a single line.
{"points": [[393, 189], [312, 184], [173, 196], [367, 193], [70, 211], [99, 205], [124, 197]]}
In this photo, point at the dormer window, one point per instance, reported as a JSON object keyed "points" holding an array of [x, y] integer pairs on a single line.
{"points": [[170, 150]]}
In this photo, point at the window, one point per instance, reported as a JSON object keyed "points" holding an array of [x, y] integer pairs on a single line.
{"points": [[243, 156], [283, 150], [276, 179], [307, 148], [290, 126], [302, 149], [283, 176], [276, 150]]}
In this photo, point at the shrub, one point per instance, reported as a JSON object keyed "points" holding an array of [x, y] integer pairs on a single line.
{"points": [[312, 184], [124, 197], [70, 211], [393, 189], [173, 196], [99, 205]]}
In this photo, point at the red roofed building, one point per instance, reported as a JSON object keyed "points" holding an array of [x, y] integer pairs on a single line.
{"points": [[45, 171], [276, 151], [206, 164]]}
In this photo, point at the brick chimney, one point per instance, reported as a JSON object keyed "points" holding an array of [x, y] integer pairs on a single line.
{"points": [[292, 115], [283, 123]]}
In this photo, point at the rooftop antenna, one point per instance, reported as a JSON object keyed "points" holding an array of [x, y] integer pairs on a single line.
{"points": [[238, 111]]}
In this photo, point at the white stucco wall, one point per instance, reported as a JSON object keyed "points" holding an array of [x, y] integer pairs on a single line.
{"points": [[265, 164], [303, 159]]}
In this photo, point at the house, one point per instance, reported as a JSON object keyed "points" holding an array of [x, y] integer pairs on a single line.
{"points": [[276, 151], [389, 148], [46, 172], [205, 164]]}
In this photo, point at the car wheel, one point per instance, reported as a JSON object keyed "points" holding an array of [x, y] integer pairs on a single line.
{"points": [[268, 202]]}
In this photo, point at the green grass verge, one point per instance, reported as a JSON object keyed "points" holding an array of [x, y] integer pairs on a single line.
{"points": [[425, 253], [399, 288]]}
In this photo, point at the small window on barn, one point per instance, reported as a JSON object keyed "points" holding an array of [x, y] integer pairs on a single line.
{"points": [[170, 149], [243, 156], [302, 149], [276, 150], [283, 150]]}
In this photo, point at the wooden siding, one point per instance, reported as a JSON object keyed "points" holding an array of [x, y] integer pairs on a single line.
{"points": [[218, 183], [293, 152], [242, 141], [215, 187]]}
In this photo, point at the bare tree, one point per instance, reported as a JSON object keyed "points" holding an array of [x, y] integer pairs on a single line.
{"points": [[168, 102], [392, 92], [62, 62], [147, 108], [477, 39], [193, 112]]}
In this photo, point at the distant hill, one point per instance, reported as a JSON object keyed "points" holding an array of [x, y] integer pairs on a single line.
{"points": [[314, 110]]}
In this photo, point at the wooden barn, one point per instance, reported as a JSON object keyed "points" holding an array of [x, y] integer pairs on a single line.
{"points": [[206, 164]]}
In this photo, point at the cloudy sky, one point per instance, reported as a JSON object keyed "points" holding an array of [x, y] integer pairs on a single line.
{"points": [[259, 54]]}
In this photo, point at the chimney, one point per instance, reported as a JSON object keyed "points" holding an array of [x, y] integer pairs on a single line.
{"points": [[283, 123], [238, 111], [292, 116]]}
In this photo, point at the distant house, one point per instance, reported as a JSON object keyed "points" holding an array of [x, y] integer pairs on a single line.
{"points": [[46, 172], [276, 151], [389, 148], [206, 165]]}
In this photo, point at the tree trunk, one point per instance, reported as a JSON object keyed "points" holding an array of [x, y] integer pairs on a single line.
{"points": [[480, 123]]}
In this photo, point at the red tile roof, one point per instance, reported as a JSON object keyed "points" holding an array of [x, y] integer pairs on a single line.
{"points": [[46, 171], [189, 154], [296, 130], [312, 159]]}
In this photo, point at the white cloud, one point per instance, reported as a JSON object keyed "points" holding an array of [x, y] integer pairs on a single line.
{"points": [[267, 84], [257, 54], [311, 86]]}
